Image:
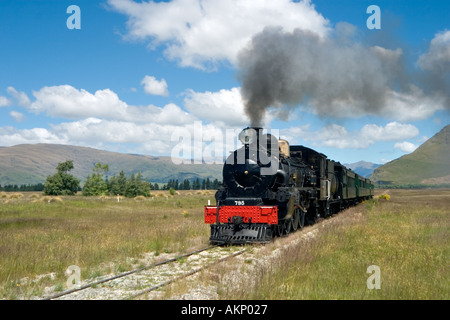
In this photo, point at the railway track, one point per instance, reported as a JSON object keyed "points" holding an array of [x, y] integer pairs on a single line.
{"points": [[150, 278], [140, 281]]}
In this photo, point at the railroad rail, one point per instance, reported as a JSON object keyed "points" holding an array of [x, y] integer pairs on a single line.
{"points": [[154, 265], [186, 274]]}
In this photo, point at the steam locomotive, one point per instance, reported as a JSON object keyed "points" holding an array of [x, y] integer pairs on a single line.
{"points": [[271, 189]]}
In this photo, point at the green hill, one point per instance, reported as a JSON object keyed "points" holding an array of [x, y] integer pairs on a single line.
{"points": [[31, 164], [428, 164]]}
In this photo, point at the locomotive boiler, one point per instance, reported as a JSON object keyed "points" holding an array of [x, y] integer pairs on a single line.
{"points": [[271, 189]]}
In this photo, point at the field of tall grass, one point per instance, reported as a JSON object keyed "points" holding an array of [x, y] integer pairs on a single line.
{"points": [[45, 235], [407, 235]]}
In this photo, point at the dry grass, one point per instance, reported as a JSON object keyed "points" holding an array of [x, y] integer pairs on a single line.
{"points": [[406, 236], [43, 235]]}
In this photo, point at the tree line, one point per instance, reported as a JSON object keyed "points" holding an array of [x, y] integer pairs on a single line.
{"points": [[197, 184], [22, 187], [98, 183]]}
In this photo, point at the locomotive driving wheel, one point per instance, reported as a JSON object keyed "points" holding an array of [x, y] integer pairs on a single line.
{"points": [[283, 227], [296, 219], [278, 230], [288, 225], [301, 219]]}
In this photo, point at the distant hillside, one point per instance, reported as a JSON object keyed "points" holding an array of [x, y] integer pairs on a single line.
{"points": [[31, 164], [428, 164], [363, 168]]}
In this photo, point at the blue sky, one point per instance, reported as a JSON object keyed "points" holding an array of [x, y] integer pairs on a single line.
{"points": [[138, 76]]}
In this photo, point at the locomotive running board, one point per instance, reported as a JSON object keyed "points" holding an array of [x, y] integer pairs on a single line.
{"points": [[244, 233]]}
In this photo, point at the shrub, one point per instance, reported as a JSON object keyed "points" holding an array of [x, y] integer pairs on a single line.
{"points": [[62, 183], [384, 196]]}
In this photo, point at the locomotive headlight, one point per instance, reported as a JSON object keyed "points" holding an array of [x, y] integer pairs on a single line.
{"points": [[247, 136]]}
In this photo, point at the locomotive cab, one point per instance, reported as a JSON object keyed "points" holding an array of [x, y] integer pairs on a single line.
{"points": [[283, 146]]}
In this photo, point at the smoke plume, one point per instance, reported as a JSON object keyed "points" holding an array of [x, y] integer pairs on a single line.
{"points": [[333, 76]]}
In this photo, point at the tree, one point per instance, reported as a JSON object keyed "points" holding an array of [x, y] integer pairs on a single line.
{"points": [[196, 184], [130, 190], [143, 186], [155, 186], [95, 185], [118, 185], [135, 186], [186, 184], [62, 183]]}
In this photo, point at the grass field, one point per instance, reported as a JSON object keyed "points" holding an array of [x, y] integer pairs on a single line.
{"points": [[45, 235], [407, 237]]}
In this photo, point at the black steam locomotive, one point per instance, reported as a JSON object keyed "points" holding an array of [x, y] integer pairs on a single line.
{"points": [[271, 188]]}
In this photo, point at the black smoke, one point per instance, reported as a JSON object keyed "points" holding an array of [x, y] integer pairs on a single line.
{"points": [[333, 76]]}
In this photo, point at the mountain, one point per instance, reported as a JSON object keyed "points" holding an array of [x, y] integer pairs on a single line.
{"points": [[362, 168], [428, 164], [32, 163]]}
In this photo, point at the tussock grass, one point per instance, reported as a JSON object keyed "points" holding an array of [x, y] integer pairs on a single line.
{"points": [[7, 197], [15, 195], [45, 235]]}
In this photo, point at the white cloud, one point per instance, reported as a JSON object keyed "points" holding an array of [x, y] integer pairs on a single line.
{"points": [[437, 58], [150, 138], [17, 116], [94, 129], [405, 146], [204, 33], [10, 136], [391, 132], [337, 136], [21, 97], [68, 102], [224, 106], [170, 114], [413, 105], [4, 101], [293, 133], [102, 120], [154, 86], [198, 138]]}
